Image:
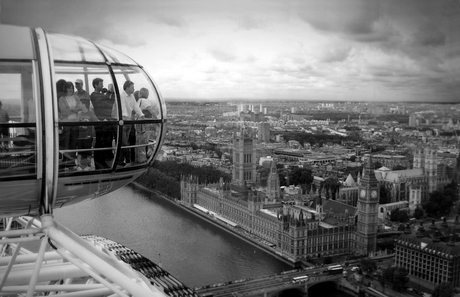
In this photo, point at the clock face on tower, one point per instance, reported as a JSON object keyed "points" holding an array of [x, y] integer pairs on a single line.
{"points": [[374, 194], [362, 193]]}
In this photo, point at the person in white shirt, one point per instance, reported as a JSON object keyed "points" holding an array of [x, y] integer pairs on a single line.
{"points": [[128, 106], [146, 132]]}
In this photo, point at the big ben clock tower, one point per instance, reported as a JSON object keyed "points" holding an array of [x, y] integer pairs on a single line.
{"points": [[368, 201]]}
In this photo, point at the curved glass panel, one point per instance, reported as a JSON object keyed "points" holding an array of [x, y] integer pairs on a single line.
{"points": [[114, 56], [66, 48], [16, 43], [18, 114], [88, 132], [140, 104], [162, 103]]}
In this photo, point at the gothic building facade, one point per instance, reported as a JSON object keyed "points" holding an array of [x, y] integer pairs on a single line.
{"points": [[368, 201], [296, 228], [430, 171], [244, 158]]}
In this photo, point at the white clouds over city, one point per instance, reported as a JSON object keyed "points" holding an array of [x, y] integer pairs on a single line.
{"points": [[314, 49]]}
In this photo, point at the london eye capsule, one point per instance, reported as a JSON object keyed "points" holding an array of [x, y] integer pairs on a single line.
{"points": [[59, 145]]}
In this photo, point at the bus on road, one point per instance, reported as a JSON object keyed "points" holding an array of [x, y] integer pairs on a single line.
{"points": [[299, 279], [335, 269]]}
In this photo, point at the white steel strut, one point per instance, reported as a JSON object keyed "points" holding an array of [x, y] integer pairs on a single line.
{"points": [[67, 264]]}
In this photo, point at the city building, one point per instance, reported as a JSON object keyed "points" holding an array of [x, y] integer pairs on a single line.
{"points": [[390, 160], [386, 209], [431, 170], [273, 185], [308, 226], [264, 132], [210, 131], [349, 192], [432, 254], [413, 120], [368, 200], [244, 158]]}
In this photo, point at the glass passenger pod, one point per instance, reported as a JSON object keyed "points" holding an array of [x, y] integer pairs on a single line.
{"points": [[60, 145]]}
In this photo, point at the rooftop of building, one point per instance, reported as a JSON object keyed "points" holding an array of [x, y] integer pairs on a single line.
{"points": [[292, 151], [269, 212], [395, 203], [322, 157], [442, 238], [337, 207], [306, 209], [396, 175], [376, 156], [330, 222], [349, 182]]}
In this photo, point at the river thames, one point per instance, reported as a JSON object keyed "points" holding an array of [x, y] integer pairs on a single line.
{"points": [[191, 249]]}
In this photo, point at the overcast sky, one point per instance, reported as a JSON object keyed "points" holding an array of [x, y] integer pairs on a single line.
{"points": [[376, 50]]}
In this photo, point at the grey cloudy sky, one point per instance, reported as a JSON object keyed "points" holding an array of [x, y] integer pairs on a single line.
{"points": [[377, 50]]}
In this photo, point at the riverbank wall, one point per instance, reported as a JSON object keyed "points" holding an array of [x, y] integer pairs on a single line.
{"points": [[216, 223]]}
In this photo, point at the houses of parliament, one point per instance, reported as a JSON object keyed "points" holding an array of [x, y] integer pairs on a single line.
{"points": [[299, 227]]}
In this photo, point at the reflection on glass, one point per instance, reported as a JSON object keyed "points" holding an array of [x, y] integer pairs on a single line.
{"points": [[17, 144], [114, 56], [66, 48]]}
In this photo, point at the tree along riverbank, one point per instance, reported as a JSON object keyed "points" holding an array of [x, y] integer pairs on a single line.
{"points": [[165, 176]]}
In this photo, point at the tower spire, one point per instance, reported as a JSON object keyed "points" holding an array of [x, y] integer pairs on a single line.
{"points": [[368, 200]]}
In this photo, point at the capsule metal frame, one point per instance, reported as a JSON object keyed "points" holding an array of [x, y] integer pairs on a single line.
{"points": [[36, 173]]}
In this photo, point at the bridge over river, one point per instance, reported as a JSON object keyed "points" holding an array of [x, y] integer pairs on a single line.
{"points": [[266, 285]]}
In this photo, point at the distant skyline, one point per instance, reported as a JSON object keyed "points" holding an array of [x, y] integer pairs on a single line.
{"points": [[341, 50]]}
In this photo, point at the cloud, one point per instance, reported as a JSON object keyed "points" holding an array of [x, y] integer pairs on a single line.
{"points": [[355, 18], [336, 54], [222, 55], [247, 22], [429, 35], [235, 47], [177, 22], [122, 36]]}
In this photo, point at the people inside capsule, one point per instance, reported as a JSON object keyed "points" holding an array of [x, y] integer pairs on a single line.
{"points": [[86, 135], [71, 108], [133, 133], [146, 132], [60, 86], [4, 131], [103, 101], [130, 110], [60, 91], [82, 93]]}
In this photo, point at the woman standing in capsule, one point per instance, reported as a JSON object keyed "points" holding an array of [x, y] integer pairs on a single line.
{"points": [[70, 107]]}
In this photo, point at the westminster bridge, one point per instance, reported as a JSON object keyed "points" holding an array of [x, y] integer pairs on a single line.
{"points": [[266, 285]]}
